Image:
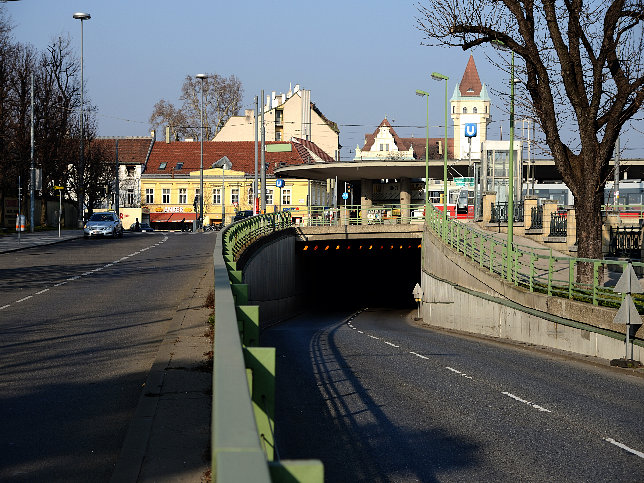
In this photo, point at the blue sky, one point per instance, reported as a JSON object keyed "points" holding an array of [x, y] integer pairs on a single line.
{"points": [[361, 60]]}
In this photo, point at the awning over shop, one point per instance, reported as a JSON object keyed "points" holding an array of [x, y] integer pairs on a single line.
{"points": [[172, 217]]}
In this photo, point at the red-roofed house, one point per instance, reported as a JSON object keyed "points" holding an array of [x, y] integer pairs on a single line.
{"points": [[133, 154], [171, 180], [385, 144]]}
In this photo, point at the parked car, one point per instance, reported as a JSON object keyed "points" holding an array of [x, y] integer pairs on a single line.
{"points": [[103, 224], [142, 227], [240, 215]]}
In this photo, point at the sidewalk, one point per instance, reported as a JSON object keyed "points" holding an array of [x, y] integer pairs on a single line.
{"points": [[13, 242]]}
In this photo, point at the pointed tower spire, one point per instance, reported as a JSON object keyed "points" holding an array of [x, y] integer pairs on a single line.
{"points": [[470, 83]]}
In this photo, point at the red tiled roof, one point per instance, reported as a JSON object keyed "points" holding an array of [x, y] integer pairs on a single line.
{"points": [[470, 83], [240, 153], [315, 149], [131, 150], [418, 144]]}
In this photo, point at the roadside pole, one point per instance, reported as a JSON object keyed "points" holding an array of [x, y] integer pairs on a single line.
{"points": [[60, 205]]}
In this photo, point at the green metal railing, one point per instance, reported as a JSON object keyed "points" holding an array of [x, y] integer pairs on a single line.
{"points": [[243, 409], [533, 268]]}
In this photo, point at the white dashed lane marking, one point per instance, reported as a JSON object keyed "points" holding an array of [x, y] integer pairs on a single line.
{"points": [[531, 404], [624, 447], [458, 372], [84, 274]]}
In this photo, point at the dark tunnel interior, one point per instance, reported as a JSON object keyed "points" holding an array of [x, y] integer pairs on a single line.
{"points": [[360, 273]]}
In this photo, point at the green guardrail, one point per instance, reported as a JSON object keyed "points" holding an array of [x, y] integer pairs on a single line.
{"points": [[243, 408], [535, 269]]}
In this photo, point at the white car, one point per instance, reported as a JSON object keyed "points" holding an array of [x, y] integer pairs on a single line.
{"points": [[103, 224]]}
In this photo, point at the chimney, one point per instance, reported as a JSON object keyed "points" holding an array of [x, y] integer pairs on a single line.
{"points": [[167, 134]]}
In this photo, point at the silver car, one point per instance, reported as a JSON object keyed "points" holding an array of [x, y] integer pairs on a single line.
{"points": [[103, 224]]}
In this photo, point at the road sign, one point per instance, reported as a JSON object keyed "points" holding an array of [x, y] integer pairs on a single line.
{"points": [[279, 183], [470, 130], [418, 293], [628, 282], [627, 313]]}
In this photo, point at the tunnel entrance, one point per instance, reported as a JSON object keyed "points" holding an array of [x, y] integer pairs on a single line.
{"points": [[360, 273]]}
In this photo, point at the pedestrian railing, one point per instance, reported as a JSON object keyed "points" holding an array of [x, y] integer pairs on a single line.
{"points": [[243, 409], [535, 269]]}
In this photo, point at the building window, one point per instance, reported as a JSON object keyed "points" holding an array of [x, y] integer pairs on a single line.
{"points": [[216, 196], [475, 110], [179, 166], [183, 196], [130, 171], [163, 165], [251, 198], [165, 196], [286, 196], [278, 135], [465, 110], [453, 109], [130, 197], [234, 195], [149, 195], [269, 196]]}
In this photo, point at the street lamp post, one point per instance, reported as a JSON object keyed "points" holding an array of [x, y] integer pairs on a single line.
{"points": [[203, 77], [510, 250], [440, 77], [426, 95], [81, 168]]}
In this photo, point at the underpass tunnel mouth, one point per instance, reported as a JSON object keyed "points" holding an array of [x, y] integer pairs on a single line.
{"points": [[360, 273]]}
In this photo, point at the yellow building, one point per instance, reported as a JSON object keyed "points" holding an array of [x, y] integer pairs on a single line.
{"points": [[170, 184]]}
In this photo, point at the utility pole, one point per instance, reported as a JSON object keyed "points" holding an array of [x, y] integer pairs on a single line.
{"points": [[263, 168], [255, 187], [33, 168]]}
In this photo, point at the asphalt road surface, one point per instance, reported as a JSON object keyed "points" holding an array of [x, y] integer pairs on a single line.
{"points": [[80, 325], [378, 398]]}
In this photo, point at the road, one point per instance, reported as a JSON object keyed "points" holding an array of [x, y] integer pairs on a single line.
{"points": [[81, 323], [379, 398]]}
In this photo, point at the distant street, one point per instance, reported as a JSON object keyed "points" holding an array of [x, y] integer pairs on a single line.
{"points": [[80, 325], [381, 399]]}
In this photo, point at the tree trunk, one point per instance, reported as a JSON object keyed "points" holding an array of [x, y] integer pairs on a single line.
{"points": [[589, 197]]}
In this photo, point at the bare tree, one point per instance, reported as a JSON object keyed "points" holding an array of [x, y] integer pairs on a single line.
{"points": [[583, 71], [165, 114], [222, 98]]}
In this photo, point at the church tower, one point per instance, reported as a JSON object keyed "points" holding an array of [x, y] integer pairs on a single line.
{"points": [[470, 106]]}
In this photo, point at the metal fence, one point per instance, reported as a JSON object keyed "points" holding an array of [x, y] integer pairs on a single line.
{"points": [[536, 218], [559, 223], [535, 269], [625, 242], [499, 212]]}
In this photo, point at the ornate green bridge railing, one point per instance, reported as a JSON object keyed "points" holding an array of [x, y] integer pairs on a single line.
{"points": [[243, 408], [535, 269]]}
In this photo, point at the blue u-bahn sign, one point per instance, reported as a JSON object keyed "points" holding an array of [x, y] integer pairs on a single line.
{"points": [[470, 130]]}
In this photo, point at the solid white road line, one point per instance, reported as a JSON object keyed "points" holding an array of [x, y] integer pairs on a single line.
{"points": [[392, 345], [623, 446]]}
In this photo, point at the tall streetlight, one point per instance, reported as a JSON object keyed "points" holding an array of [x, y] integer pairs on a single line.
{"points": [[203, 77], [497, 44], [439, 77], [81, 168], [426, 95]]}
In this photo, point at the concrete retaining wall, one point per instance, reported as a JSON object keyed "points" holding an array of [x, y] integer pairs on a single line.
{"points": [[459, 295], [274, 278]]}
